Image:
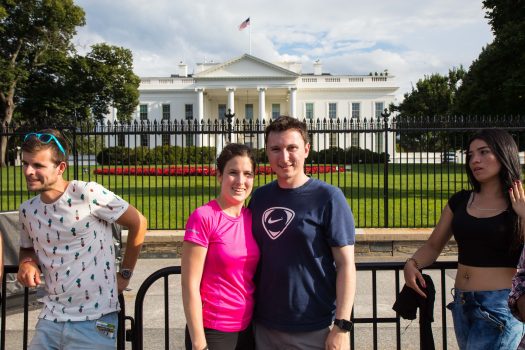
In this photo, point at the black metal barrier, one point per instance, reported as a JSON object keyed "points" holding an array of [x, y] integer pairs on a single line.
{"points": [[374, 267], [135, 334], [13, 269]]}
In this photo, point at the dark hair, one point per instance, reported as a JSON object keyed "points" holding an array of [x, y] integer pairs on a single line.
{"points": [[33, 145], [506, 151], [284, 123], [233, 150]]}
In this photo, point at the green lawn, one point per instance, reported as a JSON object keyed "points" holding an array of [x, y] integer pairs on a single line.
{"points": [[416, 193]]}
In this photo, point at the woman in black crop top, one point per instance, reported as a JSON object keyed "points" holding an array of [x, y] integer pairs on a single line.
{"points": [[486, 224]]}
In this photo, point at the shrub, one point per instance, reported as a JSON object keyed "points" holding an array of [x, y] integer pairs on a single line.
{"points": [[158, 155]]}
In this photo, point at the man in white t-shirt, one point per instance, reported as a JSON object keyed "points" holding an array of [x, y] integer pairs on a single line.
{"points": [[66, 237]]}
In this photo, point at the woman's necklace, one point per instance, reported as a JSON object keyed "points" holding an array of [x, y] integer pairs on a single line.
{"points": [[472, 205]]}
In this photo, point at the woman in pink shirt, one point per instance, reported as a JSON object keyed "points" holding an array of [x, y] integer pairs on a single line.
{"points": [[219, 259]]}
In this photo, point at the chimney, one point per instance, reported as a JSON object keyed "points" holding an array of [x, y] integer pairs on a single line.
{"points": [[183, 69], [318, 68]]}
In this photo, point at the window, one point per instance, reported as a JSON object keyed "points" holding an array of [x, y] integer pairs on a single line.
{"points": [[222, 111], [166, 140], [355, 139], [379, 142], [248, 111], [121, 141], [143, 114], [309, 111], [379, 109], [188, 112], [249, 140], [189, 141], [276, 110], [333, 140], [166, 112], [332, 110], [144, 140], [356, 110]]}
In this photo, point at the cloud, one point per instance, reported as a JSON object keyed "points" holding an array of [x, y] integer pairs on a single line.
{"points": [[409, 38]]}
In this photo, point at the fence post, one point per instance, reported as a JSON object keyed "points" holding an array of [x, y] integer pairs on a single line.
{"points": [[74, 149], [385, 116]]}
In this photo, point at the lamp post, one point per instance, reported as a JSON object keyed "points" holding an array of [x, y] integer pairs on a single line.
{"points": [[229, 117]]}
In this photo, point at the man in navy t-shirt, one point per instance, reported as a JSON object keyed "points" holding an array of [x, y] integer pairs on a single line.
{"points": [[306, 234]]}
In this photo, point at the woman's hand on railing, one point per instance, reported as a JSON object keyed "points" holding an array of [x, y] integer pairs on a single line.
{"points": [[413, 276]]}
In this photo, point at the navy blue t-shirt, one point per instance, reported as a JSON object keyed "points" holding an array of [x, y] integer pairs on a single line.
{"points": [[296, 229]]}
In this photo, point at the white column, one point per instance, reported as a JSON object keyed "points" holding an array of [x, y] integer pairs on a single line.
{"points": [[262, 103], [293, 102], [231, 99], [262, 114], [231, 109], [200, 113], [200, 104]]}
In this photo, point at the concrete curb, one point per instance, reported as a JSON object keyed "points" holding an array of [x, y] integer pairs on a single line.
{"points": [[394, 242]]}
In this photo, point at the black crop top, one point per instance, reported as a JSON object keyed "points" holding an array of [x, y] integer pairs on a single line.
{"points": [[483, 242]]}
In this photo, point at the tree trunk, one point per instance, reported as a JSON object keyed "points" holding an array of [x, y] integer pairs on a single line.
{"points": [[3, 151], [8, 108]]}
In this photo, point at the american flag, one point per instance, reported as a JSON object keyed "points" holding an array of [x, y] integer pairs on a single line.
{"points": [[245, 24]]}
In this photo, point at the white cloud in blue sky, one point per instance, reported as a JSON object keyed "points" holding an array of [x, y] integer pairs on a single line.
{"points": [[410, 38]]}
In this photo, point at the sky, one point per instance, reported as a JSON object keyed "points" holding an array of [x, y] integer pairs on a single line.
{"points": [[409, 38]]}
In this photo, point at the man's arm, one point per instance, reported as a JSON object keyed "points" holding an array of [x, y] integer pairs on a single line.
{"points": [[193, 258], [137, 226], [28, 271], [345, 294]]}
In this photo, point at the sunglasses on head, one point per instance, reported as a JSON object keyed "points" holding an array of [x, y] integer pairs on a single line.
{"points": [[45, 139]]}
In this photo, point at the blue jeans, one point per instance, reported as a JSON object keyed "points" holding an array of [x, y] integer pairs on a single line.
{"points": [[78, 335], [482, 320]]}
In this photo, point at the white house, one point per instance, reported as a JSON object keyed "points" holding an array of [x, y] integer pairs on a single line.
{"points": [[256, 89]]}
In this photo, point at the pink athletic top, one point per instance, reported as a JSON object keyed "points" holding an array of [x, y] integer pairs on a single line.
{"points": [[227, 285]]}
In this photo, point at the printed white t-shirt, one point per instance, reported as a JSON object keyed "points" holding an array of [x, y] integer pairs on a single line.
{"points": [[73, 241]]}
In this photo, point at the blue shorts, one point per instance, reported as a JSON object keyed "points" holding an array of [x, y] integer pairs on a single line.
{"points": [[79, 335], [482, 320]]}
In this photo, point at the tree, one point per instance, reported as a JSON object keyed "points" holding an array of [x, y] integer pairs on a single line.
{"points": [[433, 96], [112, 81], [494, 83], [83, 87], [31, 32], [42, 78]]}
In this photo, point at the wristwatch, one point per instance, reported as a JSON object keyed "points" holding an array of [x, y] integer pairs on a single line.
{"points": [[345, 325], [126, 273]]}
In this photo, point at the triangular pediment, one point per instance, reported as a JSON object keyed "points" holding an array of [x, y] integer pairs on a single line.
{"points": [[245, 66]]}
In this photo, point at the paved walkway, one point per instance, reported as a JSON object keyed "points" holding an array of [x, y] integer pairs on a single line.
{"points": [[154, 311]]}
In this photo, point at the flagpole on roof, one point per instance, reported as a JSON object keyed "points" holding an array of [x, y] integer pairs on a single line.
{"points": [[245, 24]]}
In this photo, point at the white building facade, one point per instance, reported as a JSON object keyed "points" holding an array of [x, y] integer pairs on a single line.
{"points": [[258, 90]]}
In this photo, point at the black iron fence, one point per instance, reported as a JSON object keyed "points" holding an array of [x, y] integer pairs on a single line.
{"points": [[394, 173], [14, 301], [370, 331]]}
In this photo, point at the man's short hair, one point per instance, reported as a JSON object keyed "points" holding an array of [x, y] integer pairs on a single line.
{"points": [[284, 123], [33, 144]]}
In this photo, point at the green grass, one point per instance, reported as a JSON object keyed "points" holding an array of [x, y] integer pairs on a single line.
{"points": [[416, 193]]}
